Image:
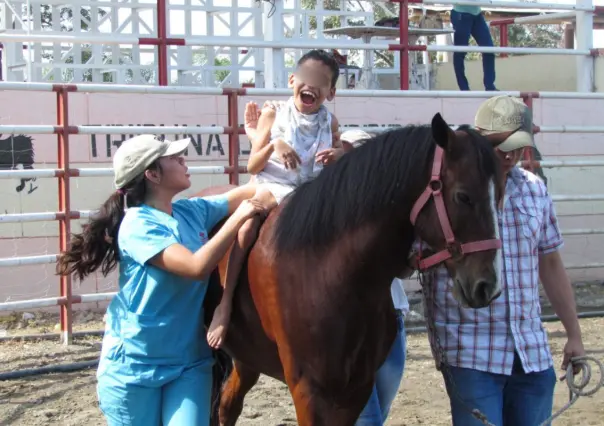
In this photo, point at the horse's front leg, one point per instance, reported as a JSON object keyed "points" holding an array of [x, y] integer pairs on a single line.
{"points": [[320, 407]]}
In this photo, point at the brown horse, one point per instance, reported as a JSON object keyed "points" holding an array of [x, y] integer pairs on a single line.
{"points": [[313, 306]]}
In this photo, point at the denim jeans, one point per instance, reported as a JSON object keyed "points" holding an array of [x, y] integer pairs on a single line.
{"points": [[518, 400], [387, 382], [466, 25]]}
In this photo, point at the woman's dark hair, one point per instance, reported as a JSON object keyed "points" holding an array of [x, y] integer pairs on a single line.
{"points": [[96, 246]]}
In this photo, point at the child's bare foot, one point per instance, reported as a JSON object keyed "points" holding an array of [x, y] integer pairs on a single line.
{"points": [[218, 327]]}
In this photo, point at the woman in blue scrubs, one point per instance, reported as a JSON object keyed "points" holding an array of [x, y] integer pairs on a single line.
{"points": [[156, 366]]}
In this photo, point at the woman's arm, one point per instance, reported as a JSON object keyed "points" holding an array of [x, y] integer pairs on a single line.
{"points": [[179, 260]]}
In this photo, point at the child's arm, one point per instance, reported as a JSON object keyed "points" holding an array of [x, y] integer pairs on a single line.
{"points": [[333, 154], [261, 148]]}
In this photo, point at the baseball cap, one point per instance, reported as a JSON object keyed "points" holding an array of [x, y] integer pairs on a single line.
{"points": [[355, 137], [501, 114], [136, 154]]}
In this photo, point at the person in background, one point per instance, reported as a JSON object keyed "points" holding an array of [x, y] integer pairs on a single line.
{"points": [[469, 21], [155, 367], [389, 376]]}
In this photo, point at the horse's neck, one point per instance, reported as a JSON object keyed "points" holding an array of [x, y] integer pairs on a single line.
{"points": [[378, 246]]}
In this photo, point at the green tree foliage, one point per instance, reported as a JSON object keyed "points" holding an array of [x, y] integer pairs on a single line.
{"points": [[534, 35], [541, 35]]}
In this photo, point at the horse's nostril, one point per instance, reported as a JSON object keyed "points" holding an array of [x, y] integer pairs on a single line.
{"points": [[481, 292]]}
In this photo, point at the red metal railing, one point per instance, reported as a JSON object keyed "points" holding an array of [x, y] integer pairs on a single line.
{"points": [[63, 130]]}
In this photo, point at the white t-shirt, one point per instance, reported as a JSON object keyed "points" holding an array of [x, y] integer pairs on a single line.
{"points": [[399, 298]]}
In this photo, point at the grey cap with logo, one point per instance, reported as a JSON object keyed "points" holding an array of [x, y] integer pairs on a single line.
{"points": [[502, 114], [136, 154]]}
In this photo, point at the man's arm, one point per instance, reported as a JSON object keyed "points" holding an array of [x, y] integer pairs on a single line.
{"points": [[556, 283], [559, 291]]}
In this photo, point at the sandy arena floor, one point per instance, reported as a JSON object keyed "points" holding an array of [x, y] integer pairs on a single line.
{"points": [[70, 398]]}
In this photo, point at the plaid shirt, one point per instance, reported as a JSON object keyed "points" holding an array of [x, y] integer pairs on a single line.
{"points": [[485, 339]]}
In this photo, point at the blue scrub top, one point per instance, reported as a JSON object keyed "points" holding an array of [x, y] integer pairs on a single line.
{"points": [[154, 324]]}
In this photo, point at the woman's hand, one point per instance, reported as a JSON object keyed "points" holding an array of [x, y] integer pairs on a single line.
{"points": [[249, 208], [288, 155]]}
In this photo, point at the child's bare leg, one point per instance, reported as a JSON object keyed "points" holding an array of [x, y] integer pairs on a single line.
{"points": [[245, 239]]}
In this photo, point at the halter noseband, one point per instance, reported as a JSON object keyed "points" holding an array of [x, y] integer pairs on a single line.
{"points": [[454, 250]]}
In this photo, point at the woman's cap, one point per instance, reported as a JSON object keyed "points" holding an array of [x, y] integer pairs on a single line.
{"points": [[355, 137], [135, 155]]}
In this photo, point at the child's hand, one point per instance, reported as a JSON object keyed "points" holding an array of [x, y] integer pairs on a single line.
{"points": [[329, 156], [251, 116], [288, 156]]}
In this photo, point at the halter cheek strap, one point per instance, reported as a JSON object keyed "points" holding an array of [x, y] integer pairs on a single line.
{"points": [[454, 249]]}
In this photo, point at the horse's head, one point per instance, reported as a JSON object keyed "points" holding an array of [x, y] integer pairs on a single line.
{"points": [[457, 213]]}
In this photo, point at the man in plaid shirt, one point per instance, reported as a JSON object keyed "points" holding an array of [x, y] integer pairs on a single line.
{"points": [[498, 357]]}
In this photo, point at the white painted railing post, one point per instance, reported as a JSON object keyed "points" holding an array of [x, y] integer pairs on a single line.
{"points": [[274, 58], [584, 41]]}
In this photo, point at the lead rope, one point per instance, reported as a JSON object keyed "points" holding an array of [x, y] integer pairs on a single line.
{"points": [[575, 390]]}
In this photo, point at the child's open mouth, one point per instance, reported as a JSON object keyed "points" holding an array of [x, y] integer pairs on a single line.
{"points": [[308, 98]]}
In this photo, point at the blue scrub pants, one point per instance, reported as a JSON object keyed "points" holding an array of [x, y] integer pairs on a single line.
{"points": [[180, 402]]}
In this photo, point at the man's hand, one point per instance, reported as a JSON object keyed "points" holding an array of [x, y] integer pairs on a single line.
{"points": [[573, 348]]}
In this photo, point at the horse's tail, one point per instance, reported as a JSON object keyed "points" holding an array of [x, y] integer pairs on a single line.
{"points": [[222, 369]]}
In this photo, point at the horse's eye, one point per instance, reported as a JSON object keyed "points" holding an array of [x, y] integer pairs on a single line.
{"points": [[462, 197]]}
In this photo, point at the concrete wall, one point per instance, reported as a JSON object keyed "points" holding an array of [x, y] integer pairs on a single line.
{"points": [[528, 73]]}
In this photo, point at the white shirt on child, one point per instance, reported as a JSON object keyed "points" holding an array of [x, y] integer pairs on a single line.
{"points": [[307, 134]]}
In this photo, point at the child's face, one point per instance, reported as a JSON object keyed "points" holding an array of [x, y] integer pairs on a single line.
{"points": [[312, 86]]}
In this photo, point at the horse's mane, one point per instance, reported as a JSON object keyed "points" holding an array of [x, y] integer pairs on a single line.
{"points": [[361, 184]]}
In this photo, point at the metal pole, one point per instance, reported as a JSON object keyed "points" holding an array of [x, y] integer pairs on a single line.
{"points": [[64, 206], [528, 153], [162, 47], [403, 13], [584, 35], [233, 105], [503, 38]]}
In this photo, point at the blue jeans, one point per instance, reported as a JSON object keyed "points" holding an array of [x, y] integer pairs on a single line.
{"points": [[518, 400], [182, 401], [387, 382], [466, 25]]}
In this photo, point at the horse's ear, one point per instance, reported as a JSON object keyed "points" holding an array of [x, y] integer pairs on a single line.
{"points": [[497, 139], [441, 132]]}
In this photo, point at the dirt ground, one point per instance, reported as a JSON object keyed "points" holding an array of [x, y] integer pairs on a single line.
{"points": [[70, 398]]}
